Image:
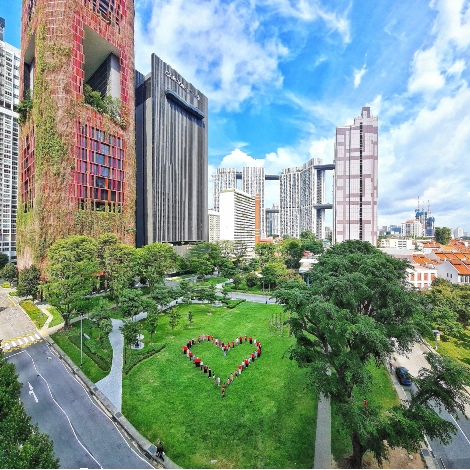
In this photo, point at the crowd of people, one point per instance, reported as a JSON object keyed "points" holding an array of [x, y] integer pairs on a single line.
{"points": [[225, 348]]}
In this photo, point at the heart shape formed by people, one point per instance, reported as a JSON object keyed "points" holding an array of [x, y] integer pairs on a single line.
{"points": [[242, 353]]}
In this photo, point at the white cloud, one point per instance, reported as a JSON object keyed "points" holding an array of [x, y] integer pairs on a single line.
{"points": [[238, 159], [426, 76], [358, 74]]}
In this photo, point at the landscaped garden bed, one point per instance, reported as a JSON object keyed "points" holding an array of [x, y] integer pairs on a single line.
{"points": [[37, 316]]}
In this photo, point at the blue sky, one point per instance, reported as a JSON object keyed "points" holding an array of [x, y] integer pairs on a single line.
{"points": [[280, 75]]}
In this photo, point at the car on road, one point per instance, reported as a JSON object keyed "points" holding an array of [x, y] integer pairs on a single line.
{"points": [[403, 375]]}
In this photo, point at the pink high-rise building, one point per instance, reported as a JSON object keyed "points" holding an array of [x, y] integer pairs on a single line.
{"points": [[355, 180]]}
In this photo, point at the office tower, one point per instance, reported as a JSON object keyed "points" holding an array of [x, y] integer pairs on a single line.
{"points": [[272, 220], [171, 148], [214, 226], [301, 194], [253, 184], [9, 98], [224, 178], [458, 232], [77, 157], [237, 217], [355, 180]]}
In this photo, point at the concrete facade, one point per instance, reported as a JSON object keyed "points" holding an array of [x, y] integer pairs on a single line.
{"points": [[355, 180], [171, 153], [9, 98]]}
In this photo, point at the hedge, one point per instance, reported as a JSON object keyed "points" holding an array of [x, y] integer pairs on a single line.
{"points": [[136, 357]]}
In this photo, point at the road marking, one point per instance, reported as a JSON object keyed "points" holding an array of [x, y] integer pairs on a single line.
{"points": [[26, 340], [37, 336], [31, 338], [19, 341], [31, 392], [466, 438], [14, 344]]}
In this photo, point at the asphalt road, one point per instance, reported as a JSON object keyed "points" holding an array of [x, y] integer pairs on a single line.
{"points": [[457, 453], [55, 400]]}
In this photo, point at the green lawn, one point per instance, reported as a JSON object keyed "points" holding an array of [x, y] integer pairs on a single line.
{"points": [[456, 348], [267, 418], [382, 392], [56, 317], [211, 281]]}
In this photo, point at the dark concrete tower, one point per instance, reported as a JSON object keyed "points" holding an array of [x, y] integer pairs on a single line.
{"points": [[77, 156], [171, 149]]}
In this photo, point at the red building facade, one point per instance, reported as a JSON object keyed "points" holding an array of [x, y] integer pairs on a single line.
{"points": [[77, 153]]}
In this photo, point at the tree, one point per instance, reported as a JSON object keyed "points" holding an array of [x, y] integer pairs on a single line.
{"points": [[175, 316], [273, 273], [204, 258], [357, 311], [251, 280], [3, 260], [101, 316], [10, 273], [292, 250], [442, 235], [266, 253], [28, 282], [130, 331], [156, 261], [22, 444], [131, 302], [163, 295], [227, 268], [71, 271], [237, 281], [310, 243], [190, 318], [152, 323]]}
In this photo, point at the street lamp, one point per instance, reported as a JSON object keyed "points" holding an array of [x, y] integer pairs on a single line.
{"points": [[81, 340]]}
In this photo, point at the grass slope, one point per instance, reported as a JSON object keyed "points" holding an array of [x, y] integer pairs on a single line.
{"points": [[267, 418]]}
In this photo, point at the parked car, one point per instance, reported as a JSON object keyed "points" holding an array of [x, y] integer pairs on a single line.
{"points": [[403, 375]]}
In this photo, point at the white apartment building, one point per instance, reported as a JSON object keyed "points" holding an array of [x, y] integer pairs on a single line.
{"points": [[455, 271], [9, 98], [397, 243], [458, 232], [356, 181], [237, 217], [214, 226], [413, 228], [224, 178], [421, 277], [301, 190], [253, 183], [272, 220]]}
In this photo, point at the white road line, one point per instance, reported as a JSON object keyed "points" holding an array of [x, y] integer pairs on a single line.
{"points": [[19, 341], [26, 340], [31, 392], [31, 338], [63, 411], [466, 438], [37, 336], [14, 344]]}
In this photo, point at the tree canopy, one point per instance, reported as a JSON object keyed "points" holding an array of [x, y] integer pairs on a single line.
{"points": [[156, 261], [359, 310], [442, 235]]}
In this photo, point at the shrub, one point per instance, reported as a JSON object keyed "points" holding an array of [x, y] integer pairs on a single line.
{"points": [[232, 303], [36, 315]]}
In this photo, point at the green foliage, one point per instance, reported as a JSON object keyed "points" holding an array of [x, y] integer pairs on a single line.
{"points": [[104, 105], [174, 316], [273, 273], [152, 323], [130, 331], [3, 260], [231, 304], [292, 250], [24, 107], [156, 261], [163, 295], [56, 317], [252, 280], [237, 280], [10, 273], [363, 293], [266, 253], [450, 306], [22, 444], [131, 302], [310, 242], [442, 235], [38, 317], [28, 282]]}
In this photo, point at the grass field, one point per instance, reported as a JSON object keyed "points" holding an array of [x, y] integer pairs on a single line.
{"points": [[56, 317], [456, 348], [267, 418]]}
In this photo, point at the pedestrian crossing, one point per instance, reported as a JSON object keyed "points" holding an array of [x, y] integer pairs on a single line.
{"points": [[20, 342]]}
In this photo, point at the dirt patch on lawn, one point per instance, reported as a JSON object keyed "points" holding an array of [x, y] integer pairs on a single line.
{"points": [[398, 458]]}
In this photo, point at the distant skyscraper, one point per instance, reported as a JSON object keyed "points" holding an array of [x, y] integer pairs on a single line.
{"points": [[237, 217], [171, 150], [272, 220], [214, 226], [9, 97], [355, 180], [301, 190], [253, 183], [77, 160], [224, 178]]}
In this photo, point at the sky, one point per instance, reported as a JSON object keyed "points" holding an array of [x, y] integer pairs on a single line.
{"points": [[280, 75]]}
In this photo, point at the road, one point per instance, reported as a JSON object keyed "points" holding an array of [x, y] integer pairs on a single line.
{"points": [[83, 436], [457, 453]]}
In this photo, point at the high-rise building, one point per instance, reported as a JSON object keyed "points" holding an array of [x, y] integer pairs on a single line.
{"points": [[253, 184], [224, 178], [237, 217], [355, 180], [272, 220], [214, 226], [301, 194], [77, 157], [412, 228], [171, 148], [9, 98]]}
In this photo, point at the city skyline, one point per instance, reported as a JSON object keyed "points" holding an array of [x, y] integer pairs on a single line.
{"points": [[309, 68]]}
